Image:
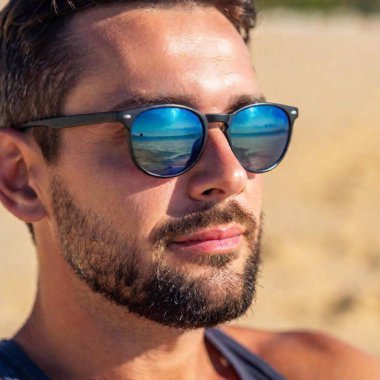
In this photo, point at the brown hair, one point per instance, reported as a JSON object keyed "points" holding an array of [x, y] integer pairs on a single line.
{"points": [[38, 63]]}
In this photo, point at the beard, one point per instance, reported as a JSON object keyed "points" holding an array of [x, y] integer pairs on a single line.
{"points": [[111, 265]]}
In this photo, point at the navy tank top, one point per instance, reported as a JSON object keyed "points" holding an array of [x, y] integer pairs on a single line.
{"points": [[16, 365], [247, 365]]}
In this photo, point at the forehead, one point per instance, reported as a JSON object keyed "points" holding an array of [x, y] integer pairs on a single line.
{"points": [[130, 50]]}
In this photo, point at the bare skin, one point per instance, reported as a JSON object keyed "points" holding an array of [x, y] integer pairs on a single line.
{"points": [[299, 355], [74, 333]]}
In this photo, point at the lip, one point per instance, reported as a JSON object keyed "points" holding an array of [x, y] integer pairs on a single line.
{"points": [[215, 240], [215, 233]]}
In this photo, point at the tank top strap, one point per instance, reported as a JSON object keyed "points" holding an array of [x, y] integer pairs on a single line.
{"points": [[16, 365], [247, 365]]}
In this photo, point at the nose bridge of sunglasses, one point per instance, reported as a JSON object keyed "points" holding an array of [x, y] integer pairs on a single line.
{"points": [[218, 118]]}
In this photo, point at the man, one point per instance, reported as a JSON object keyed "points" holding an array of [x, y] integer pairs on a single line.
{"points": [[133, 144]]}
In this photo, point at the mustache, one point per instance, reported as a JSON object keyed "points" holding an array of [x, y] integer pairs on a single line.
{"points": [[209, 216]]}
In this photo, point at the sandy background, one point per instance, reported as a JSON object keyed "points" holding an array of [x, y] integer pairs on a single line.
{"points": [[322, 241]]}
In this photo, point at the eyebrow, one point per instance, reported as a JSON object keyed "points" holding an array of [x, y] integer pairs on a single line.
{"points": [[241, 101], [143, 101], [185, 100]]}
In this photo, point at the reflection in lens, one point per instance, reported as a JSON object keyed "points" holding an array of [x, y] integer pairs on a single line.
{"points": [[167, 140], [259, 136]]}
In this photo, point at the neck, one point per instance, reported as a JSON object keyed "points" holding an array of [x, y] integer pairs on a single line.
{"points": [[73, 333]]}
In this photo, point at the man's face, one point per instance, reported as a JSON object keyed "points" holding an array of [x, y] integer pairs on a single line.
{"points": [[182, 251]]}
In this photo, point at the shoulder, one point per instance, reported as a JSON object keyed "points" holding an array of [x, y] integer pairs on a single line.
{"points": [[307, 354]]}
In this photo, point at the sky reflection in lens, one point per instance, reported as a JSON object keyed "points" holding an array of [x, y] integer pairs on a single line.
{"points": [[166, 140], [259, 136]]}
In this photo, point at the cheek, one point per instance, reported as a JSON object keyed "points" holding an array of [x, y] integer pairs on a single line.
{"points": [[254, 192], [132, 200], [148, 207], [111, 185]]}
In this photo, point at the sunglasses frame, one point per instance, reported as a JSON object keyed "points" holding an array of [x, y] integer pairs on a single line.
{"points": [[127, 118]]}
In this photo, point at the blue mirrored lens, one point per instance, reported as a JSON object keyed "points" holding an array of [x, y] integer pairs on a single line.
{"points": [[259, 136], [166, 141]]}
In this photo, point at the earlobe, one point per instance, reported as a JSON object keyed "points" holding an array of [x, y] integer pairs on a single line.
{"points": [[16, 193]]}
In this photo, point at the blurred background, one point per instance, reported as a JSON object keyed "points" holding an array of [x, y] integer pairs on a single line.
{"points": [[322, 242]]}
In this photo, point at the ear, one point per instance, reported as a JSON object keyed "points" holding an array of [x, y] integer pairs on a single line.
{"points": [[16, 193]]}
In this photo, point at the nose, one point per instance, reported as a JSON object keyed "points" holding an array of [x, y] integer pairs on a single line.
{"points": [[218, 174]]}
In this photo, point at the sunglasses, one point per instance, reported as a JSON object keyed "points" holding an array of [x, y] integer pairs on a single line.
{"points": [[168, 140]]}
